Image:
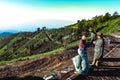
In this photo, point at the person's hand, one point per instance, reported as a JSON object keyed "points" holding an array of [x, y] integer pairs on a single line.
{"points": [[94, 42]]}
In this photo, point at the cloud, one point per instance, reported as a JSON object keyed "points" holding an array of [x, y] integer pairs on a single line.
{"points": [[12, 15]]}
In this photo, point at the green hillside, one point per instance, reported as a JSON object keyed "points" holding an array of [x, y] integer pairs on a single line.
{"points": [[32, 43], [105, 23], [28, 44]]}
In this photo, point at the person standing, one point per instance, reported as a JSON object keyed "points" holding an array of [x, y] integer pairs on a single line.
{"points": [[80, 61], [102, 47], [98, 50], [93, 37]]}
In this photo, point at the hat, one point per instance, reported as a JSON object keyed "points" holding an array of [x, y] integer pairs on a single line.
{"points": [[83, 37]]}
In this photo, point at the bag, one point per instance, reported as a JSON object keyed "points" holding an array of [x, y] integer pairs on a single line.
{"points": [[77, 62]]}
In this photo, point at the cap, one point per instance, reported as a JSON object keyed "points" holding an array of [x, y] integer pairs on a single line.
{"points": [[83, 37]]}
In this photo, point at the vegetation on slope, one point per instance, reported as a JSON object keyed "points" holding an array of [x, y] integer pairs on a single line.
{"points": [[22, 46]]}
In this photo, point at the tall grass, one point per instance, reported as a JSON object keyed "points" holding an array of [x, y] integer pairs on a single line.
{"points": [[40, 54]]}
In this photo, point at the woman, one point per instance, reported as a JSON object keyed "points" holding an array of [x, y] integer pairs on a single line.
{"points": [[80, 61]]}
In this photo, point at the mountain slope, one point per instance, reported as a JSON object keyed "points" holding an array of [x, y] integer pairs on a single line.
{"points": [[31, 43], [45, 40]]}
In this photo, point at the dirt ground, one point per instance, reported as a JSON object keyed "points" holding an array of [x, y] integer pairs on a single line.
{"points": [[61, 62]]}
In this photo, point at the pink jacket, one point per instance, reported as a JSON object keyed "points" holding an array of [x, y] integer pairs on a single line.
{"points": [[81, 44]]}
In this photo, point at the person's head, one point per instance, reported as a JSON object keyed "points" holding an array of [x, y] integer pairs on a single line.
{"points": [[83, 37], [99, 34]]}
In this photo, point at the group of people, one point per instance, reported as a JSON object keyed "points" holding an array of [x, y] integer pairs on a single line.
{"points": [[81, 61]]}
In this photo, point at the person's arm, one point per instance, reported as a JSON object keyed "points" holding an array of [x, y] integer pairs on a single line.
{"points": [[80, 43]]}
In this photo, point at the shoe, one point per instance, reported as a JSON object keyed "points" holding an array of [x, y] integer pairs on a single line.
{"points": [[93, 63], [76, 72], [97, 63]]}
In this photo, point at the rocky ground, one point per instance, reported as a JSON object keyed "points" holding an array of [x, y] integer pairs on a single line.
{"points": [[61, 64]]}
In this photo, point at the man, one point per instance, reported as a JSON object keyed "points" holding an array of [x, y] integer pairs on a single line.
{"points": [[98, 49], [80, 61], [93, 37]]}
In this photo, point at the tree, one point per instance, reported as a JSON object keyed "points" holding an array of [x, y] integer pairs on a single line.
{"points": [[106, 17], [38, 29], [43, 28], [115, 13], [81, 27]]}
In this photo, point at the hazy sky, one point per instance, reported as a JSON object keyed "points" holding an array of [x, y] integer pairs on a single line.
{"points": [[20, 14]]}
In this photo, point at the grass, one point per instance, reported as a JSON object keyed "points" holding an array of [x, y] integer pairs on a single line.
{"points": [[73, 44], [3, 49], [32, 57], [111, 26], [40, 54]]}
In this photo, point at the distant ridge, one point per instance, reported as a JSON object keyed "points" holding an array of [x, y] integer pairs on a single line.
{"points": [[6, 33]]}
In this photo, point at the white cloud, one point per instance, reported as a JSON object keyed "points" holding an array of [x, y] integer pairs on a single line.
{"points": [[10, 15], [14, 15]]}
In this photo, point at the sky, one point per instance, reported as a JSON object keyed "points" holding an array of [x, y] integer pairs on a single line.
{"points": [[30, 14]]}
